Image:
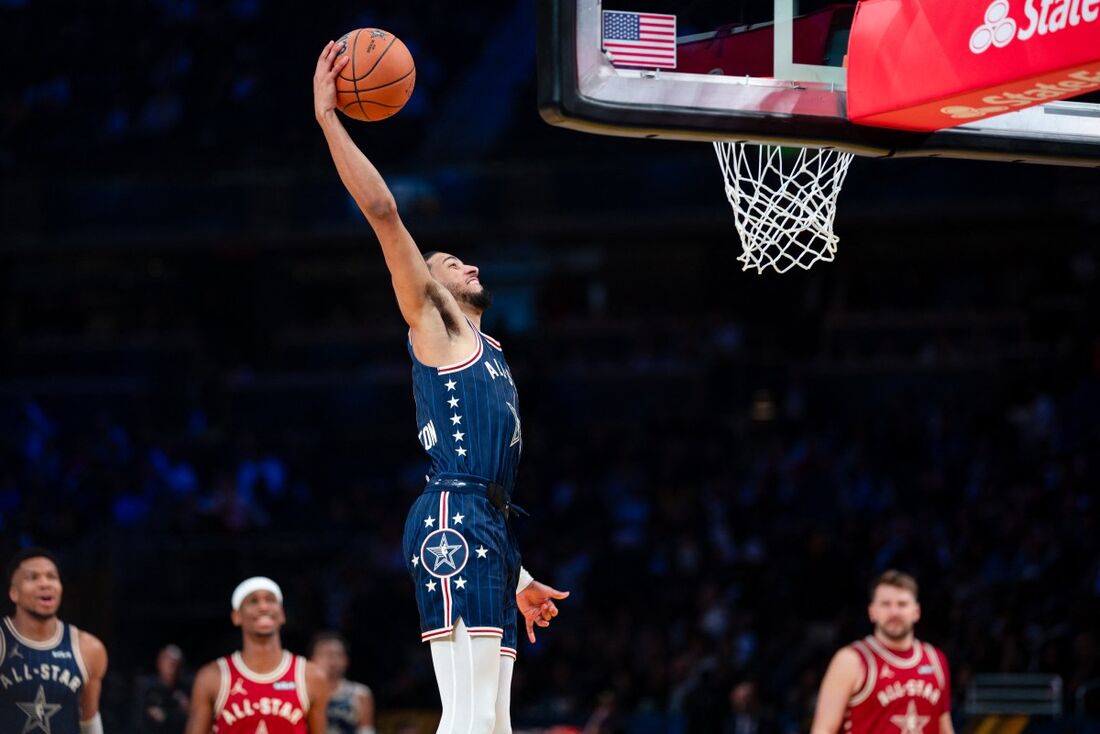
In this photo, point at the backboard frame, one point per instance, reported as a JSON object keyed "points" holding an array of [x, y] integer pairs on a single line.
{"points": [[580, 89]]}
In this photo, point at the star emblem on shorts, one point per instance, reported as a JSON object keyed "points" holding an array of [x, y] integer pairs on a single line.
{"points": [[444, 554], [460, 451], [456, 419], [429, 522], [910, 722], [457, 435], [430, 586], [481, 551], [450, 385], [453, 402], [38, 712], [415, 561], [460, 583], [458, 518]]}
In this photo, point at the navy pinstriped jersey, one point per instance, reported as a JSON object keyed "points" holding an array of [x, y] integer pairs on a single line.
{"points": [[343, 707], [467, 414], [40, 682]]}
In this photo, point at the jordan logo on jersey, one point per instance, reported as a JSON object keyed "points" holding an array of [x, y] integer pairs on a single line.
{"points": [[238, 688], [39, 712]]}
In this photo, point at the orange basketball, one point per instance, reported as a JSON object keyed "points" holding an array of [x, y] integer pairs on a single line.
{"points": [[379, 77]]}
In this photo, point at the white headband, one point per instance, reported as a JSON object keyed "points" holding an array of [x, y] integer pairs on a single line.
{"points": [[256, 583]]}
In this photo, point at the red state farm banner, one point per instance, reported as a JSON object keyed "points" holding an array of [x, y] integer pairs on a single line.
{"points": [[930, 64]]}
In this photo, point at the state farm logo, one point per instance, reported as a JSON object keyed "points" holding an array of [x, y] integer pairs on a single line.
{"points": [[1043, 17], [998, 29]]}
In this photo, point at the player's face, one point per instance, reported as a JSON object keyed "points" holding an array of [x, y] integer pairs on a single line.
{"points": [[332, 658], [261, 614], [36, 588], [894, 611], [460, 279]]}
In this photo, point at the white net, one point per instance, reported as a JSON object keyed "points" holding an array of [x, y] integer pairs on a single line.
{"points": [[784, 202]]}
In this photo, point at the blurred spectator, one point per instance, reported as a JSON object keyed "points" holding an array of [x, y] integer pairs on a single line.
{"points": [[164, 697]]}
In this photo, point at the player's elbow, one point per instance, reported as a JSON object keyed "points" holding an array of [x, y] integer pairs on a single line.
{"points": [[380, 208]]}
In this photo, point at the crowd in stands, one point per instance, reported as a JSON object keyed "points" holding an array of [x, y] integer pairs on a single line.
{"points": [[716, 463], [715, 484]]}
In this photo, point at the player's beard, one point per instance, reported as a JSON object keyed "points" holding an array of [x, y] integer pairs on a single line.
{"points": [[900, 632], [40, 616], [481, 300]]}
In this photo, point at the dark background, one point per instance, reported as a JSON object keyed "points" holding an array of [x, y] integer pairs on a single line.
{"points": [[203, 373]]}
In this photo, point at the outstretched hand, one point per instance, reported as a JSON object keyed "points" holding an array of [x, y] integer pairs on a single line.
{"points": [[536, 604], [324, 79]]}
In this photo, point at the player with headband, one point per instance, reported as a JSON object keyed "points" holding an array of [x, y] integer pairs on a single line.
{"points": [[262, 687]]}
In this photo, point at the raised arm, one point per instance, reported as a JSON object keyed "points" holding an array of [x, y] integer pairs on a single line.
{"points": [[419, 297], [841, 682]]}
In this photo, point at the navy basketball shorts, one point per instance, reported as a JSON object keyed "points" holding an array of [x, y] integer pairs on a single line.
{"points": [[464, 564]]}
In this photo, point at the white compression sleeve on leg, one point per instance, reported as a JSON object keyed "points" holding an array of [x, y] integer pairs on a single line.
{"points": [[467, 671], [93, 725], [504, 696]]}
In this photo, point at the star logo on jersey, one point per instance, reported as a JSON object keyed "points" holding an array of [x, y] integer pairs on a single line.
{"points": [[450, 385], [453, 402], [444, 552], [262, 728], [517, 435], [910, 722], [238, 688], [39, 712]]}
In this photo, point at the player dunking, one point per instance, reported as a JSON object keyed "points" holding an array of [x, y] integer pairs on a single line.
{"points": [[458, 544], [262, 689], [889, 682], [350, 705], [51, 673]]}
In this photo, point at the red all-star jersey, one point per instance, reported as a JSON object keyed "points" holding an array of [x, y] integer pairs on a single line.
{"points": [[902, 693], [262, 703]]}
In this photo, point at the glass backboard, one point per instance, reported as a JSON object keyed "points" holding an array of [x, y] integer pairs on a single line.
{"points": [[769, 71]]}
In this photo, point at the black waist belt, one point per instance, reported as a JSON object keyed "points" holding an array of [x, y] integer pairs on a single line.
{"points": [[495, 493]]}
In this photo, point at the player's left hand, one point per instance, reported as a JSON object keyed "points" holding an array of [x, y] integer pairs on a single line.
{"points": [[536, 604]]}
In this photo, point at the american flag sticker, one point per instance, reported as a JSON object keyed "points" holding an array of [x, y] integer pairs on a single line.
{"points": [[640, 39]]}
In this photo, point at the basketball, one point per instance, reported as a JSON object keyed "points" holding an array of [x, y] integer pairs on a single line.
{"points": [[379, 77]]}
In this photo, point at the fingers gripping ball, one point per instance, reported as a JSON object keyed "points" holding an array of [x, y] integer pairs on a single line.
{"points": [[379, 76]]}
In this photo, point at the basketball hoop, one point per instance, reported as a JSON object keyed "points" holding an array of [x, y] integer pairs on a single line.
{"points": [[783, 205]]}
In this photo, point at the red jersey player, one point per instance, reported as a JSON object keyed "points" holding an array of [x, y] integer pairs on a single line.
{"points": [[262, 689], [889, 682]]}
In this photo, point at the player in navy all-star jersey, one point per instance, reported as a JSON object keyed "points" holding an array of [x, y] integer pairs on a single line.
{"points": [[351, 705], [459, 547], [51, 673]]}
